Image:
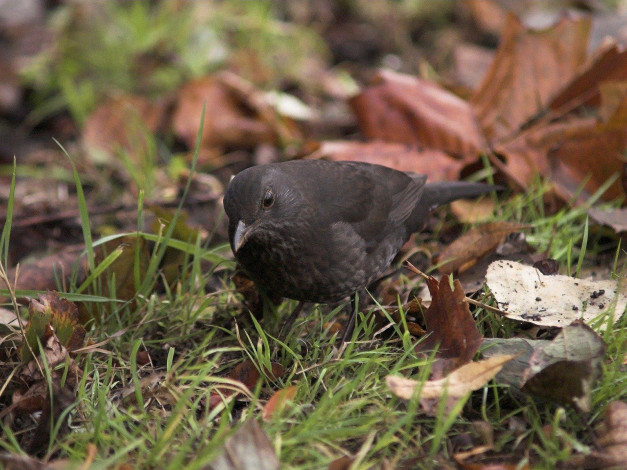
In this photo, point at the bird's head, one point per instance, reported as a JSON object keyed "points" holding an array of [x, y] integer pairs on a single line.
{"points": [[259, 200]]}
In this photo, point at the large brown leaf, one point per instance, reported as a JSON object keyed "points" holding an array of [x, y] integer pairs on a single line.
{"points": [[608, 64], [438, 165], [474, 244], [529, 68], [236, 114], [451, 327], [402, 108], [568, 153], [121, 123]]}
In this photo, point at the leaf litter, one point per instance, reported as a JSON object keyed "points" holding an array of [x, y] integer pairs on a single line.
{"points": [[525, 294], [541, 108]]}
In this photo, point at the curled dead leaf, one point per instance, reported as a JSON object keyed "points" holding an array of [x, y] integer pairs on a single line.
{"points": [[121, 123], [402, 108], [248, 449], [474, 244], [456, 385], [608, 64], [451, 327], [278, 400], [438, 165], [562, 370], [530, 67], [236, 114]]}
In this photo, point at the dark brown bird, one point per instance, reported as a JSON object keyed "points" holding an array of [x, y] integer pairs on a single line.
{"points": [[320, 231]]}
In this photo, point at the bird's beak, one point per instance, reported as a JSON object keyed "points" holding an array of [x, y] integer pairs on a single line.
{"points": [[241, 234]]}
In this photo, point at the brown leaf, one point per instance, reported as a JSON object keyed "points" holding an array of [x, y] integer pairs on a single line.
{"points": [[609, 64], [50, 271], [438, 165], [529, 68], [473, 212], [248, 290], [248, 449], [247, 373], [44, 273], [451, 326], [471, 64], [52, 317], [474, 244], [614, 432], [614, 218], [563, 370], [454, 386], [342, 463], [236, 114], [489, 15], [121, 123], [612, 440], [278, 400], [547, 266], [49, 396], [402, 108], [568, 153], [613, 109]]}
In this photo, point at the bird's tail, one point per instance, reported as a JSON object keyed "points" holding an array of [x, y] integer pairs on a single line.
{"points": [[443, 192]]}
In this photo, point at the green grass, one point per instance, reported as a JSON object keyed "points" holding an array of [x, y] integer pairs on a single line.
{"points": [[156, 415], [195, 336]]}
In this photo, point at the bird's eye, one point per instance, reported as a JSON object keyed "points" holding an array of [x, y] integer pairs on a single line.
{"points": [[268, 199]]}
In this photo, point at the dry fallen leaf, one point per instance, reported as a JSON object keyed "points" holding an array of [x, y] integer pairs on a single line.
{"points": [[236, 114], [473, 212], [402, 108], [613, 436], [451, 327], [530, 67], [45, 397], [614, 218], [341, 463], [608, 64], [438, 165], [278, 400], [457, 384], [474, 244], [248, 375], [611, 449], [489, 16], [525, 294], [563, 370], [121, 123], [248, 449], [52, 316], [471, 64]]}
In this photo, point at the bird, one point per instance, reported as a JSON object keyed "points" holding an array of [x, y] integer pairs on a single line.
{"points": [[321, 231]]}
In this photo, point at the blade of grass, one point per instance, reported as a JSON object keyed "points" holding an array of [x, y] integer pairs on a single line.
{"points": [[6, 230], [582, 251], [102, 266], [155, 260], [83, 211]]}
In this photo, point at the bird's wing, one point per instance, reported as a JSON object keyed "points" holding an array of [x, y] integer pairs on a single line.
{"points": [[390, 197], [373, 199]]}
